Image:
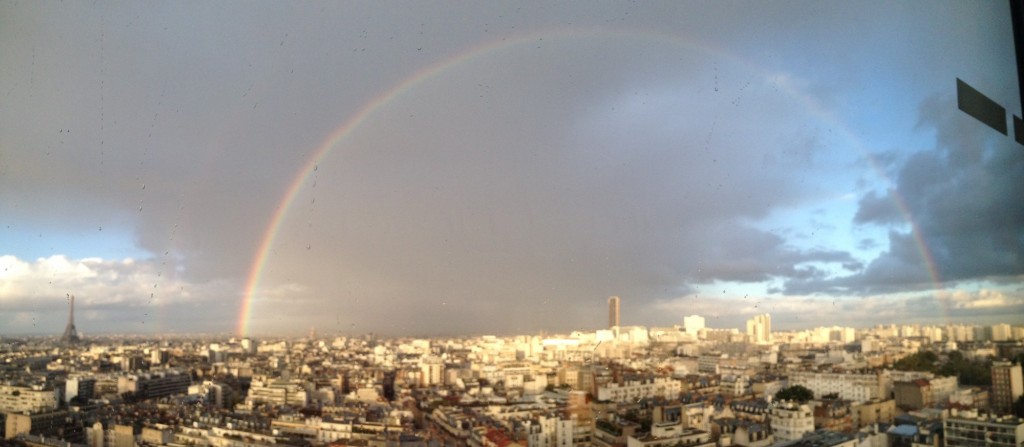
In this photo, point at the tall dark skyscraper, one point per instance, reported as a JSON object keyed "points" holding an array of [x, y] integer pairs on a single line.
{"points": [[70, 333], [613, 311]]}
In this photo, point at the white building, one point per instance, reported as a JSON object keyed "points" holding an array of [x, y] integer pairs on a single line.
{"points": [[855, 387], [22, 399], [969, 428], [759, 329], [278, 392], [943, 388], [431, 371], [1002, 332], [541, 431], [790, 420], [693, 324], [634, 390], [669, 435]]}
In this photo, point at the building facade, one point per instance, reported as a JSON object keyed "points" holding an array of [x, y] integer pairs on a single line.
{"points": [[1007, 386], [790, 420], [614, 303], [969, 428]]}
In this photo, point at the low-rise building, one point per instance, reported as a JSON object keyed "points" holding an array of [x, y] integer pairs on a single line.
{"points": [[970, 428], [833, 414], [154, 385], [872, 412], [634, 390], [821, 438], [850, 386], [732, 431], [47, 423], [669, 435], [790, 420], [913, 395], [21, 399]]}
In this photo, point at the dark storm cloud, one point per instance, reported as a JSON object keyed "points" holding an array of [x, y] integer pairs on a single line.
{"points": [[878, 209], [614, 151], [747, 255], [901, 268], [964, 197], [496, 213]]}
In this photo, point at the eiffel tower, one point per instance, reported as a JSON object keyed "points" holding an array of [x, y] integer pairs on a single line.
{"points": [[70, 333]]}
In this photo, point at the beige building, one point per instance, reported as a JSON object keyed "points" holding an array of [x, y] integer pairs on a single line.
{"points": [[913, 395], [22, 399], [431, 371], [121, 436], [158, 435], [759, 329], [51, 423], [873, 412]]}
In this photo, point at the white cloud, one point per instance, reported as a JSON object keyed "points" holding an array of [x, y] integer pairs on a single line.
{"points": [[983, 306], [111, 292], [984, 298]]}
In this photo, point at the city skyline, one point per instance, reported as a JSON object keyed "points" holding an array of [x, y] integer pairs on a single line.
{"points": [[758, 328], [882, 386], [452, 168]]}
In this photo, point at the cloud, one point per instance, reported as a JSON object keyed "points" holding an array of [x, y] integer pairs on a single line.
{"points": [[551, 192], [878, 209], [110, 295], [984, 298], [511, 189], [903, 269], [963, 197], [984, 307]]}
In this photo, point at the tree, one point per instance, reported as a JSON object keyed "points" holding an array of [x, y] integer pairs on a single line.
{"points": [[796, 393], [970, 372], [920, 361], [1018, 359]]}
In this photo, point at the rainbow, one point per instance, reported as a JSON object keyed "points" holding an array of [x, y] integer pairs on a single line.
{"points": [[256, 269], [898, 200]]}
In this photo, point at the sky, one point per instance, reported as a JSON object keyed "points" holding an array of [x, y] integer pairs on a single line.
{"points": [[458, 168]]}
